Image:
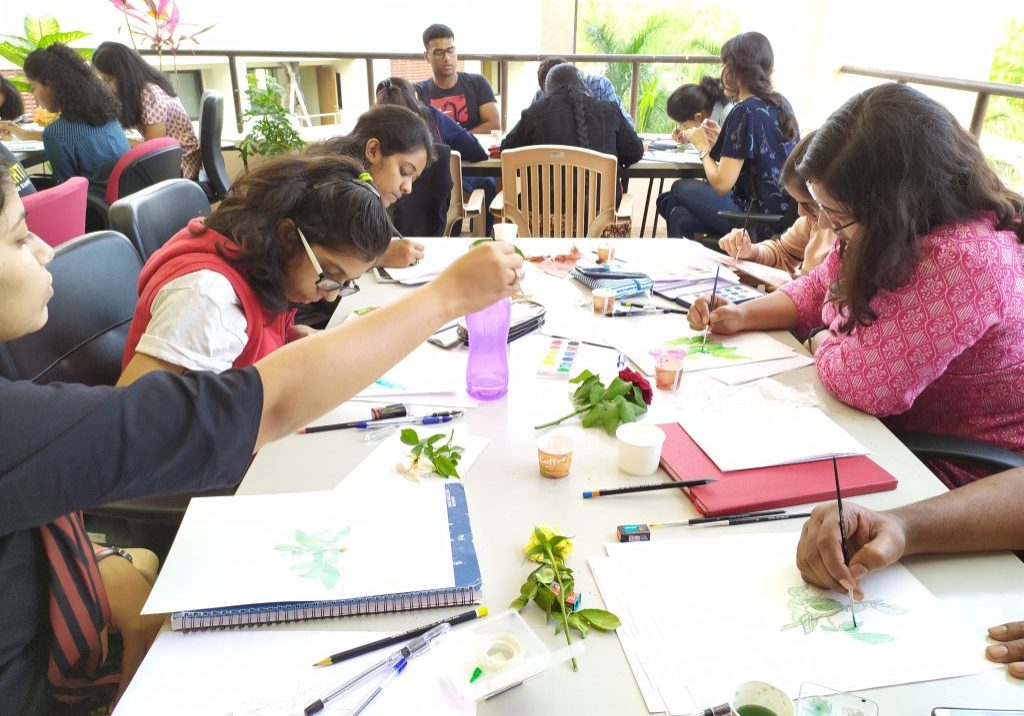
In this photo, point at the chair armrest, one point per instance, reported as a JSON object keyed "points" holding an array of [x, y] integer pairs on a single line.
{"points": [[475, 203], [742, 216], [947, 447], [625, 210], [498, 203]]}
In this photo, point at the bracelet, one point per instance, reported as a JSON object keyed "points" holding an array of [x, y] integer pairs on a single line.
{"points": [[810, 338], [703, 153], [110, 551]]}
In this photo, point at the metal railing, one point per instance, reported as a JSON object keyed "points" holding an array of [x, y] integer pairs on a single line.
{"points": [[503, 62], [984, 90]]}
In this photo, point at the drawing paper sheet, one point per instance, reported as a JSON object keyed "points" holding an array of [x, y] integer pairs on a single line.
{"points": [[427, 376], [226, 552], [641, 338], [434, 261], [737, 375], [381, 465], [771, 435], [711, 612], [269, 673]]}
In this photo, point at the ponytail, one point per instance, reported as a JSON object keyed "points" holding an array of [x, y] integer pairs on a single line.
{"points": [[748, 58]]}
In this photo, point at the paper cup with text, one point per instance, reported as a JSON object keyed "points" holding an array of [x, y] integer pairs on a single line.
{"points": [[505, 232], [758, 698], [604, 301], [554, 455], [639, 447]]}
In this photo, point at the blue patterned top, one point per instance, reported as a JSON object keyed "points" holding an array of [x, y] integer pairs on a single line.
{"points": [[751, 132], [78, 149]]}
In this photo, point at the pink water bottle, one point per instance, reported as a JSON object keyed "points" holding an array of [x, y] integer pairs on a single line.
{"points": [[487, 369]]}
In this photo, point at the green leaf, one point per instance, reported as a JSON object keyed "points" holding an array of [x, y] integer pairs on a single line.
{"points": [[871, 638], [445, 466], [596, 391], [627, 412], [825, 604], [559, 626], [64, 38], [582, 377], [14, 54], [599, 619], [610, 420], [518, 603], [578, 624], [284, 547], [329, 575], [37, 28], [618, 387], [409, 436], [528, 589], [434, 438], [544, 598], [545, 575]]}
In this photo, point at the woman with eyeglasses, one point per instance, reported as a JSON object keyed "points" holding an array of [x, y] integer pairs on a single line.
{"points": [[917, 314], [802, 246], [223, 292], [743, 163], [67, 447]]}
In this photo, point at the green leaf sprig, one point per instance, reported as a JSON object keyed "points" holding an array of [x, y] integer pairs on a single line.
{"points": [[621, 402], [445, 458], [551, 582]]}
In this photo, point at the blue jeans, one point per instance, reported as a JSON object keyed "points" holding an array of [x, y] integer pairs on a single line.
{"points": [[692, 205]]}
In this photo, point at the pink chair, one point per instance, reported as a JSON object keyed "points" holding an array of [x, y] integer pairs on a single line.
{"points": [[58, 214]]}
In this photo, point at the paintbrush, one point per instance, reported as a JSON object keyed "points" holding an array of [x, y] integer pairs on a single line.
{"points": [[711, 307], [842, 535]]}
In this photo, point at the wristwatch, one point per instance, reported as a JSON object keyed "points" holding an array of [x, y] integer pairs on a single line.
{"points": [[109, 551], [703, 153]]}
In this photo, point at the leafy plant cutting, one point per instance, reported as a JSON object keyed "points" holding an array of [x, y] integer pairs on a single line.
{"points": [[428, 456], [550, 586], [624, 400]]}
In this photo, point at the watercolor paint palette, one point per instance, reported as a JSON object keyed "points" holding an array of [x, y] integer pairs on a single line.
{"points": [[732, 292], [558, 358]]}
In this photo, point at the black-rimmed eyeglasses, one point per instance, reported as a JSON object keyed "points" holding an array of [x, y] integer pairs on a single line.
{"points": [[326, 283]]}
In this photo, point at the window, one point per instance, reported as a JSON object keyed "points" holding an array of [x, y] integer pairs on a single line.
{"points": [[189, 86]]}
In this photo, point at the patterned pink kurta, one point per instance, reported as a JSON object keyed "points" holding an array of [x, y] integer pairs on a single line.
{"points": [[160, 108], [946, 354]]}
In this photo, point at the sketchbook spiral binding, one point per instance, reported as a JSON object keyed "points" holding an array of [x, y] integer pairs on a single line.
{"points": [[467, 589]]}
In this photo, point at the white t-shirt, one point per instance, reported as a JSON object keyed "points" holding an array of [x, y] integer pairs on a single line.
{"points": [[197, 322]]}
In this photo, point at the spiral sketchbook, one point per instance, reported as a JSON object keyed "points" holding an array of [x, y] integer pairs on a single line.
{"points": [[380, 544]]}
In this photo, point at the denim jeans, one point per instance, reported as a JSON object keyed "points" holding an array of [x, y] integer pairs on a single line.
{"points": [[692, 205]]}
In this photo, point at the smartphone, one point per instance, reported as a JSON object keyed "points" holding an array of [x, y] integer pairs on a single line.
{"points": [[949, 711], [382, 275]]}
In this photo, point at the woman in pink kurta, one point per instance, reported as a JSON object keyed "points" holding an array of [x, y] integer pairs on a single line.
{"points": [[917, 314]]}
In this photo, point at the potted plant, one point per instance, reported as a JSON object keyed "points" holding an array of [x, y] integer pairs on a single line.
{"points": [[40, 32], [271, 132]]}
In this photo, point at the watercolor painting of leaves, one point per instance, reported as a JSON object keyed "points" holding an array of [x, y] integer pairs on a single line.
{"points": [[811, 611], [318, 554], [692, 346]]}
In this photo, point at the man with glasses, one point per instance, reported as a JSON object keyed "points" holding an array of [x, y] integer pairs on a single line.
{"points": [[465, 97]]}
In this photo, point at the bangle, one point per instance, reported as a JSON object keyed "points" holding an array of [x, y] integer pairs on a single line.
{"points": [[810, 338], [110, 551]]}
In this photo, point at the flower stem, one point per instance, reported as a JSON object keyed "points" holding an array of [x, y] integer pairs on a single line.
{"points": [[561, 602], [584, 409]]}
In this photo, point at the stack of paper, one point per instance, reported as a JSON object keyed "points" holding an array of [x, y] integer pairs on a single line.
{"points": [[433, 262], [691, 639]]}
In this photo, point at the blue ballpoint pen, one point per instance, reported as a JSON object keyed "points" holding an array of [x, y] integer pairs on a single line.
{"points": [[424, 420], [397, 669]]}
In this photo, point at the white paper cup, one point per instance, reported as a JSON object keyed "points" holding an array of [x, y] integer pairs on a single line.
{"points": [[751, 698], [604, 301], [639, 447], [505, 232]]}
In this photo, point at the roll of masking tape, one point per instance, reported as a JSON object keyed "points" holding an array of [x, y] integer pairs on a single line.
{"points": [[499, 651]]}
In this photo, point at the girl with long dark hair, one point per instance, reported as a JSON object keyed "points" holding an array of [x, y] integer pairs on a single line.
{"points": [[399, 91], [86, 140], [148, 101], [744, 162], [917, 314]]}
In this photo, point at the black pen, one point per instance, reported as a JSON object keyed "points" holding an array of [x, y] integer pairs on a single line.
{"points": [[764, 518], [720, 518]]}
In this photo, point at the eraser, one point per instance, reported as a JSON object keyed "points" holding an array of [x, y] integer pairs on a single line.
{"points": [[633, 533], [573, 601]]}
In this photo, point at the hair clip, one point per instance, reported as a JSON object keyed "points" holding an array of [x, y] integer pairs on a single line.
{"points": [[366, 176], [384, 83]]}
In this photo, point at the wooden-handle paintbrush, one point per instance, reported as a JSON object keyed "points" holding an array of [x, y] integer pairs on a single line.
{"points": [[842, 535]]}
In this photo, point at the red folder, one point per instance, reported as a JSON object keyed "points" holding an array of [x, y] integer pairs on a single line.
{"points": [[764, 487]]}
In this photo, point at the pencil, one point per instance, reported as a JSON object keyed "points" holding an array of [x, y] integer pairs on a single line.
{"points": [[398, 638], [842, 534], [646, 488], [764, 518], [711, 307]]}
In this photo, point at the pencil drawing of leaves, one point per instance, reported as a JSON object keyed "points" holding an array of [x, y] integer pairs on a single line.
{"points": [[319, 552], [813, 611]]}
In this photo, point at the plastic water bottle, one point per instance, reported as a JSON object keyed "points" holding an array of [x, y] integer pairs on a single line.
{"points": [[487, 369]]}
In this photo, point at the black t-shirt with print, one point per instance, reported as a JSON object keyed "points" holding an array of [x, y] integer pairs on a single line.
{"points": [[461, 102]]}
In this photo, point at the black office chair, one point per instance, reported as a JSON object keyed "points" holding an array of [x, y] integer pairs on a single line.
{"points": [[152, 216], [929, 446], [144, 165], [760, 226], [213, 177], [94, 280], [424, 212]]}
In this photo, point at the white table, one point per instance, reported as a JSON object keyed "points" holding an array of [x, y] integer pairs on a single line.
{"points": [[507, 497]]}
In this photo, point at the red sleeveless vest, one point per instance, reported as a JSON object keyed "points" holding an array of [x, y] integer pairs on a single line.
{"points": [[194, 248]]}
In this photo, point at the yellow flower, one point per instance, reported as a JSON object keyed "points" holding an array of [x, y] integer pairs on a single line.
{"points": [[561, 550]]}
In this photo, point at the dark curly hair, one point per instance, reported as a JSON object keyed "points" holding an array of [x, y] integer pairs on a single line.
{"points": [[321, 194], [80, 95], [566, 78], [687, 100], [131, 73], [902, 165], [396, 128], [748, 58], [399, 91], [13, 107]]}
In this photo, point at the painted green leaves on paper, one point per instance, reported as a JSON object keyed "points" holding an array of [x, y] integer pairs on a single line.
{"points": [[317, 554], [693, 346], [813, 611]]}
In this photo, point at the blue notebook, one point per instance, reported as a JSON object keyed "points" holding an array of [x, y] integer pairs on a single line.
{"points": [[466, 590]]}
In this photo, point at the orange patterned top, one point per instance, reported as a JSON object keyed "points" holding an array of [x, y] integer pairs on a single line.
{"points": [[160, 108]]}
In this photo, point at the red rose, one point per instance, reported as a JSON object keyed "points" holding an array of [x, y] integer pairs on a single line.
{"points": [[631, 376]]}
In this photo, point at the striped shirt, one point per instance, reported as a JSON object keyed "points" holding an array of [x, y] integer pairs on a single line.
{"points": [[75, 148]]}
